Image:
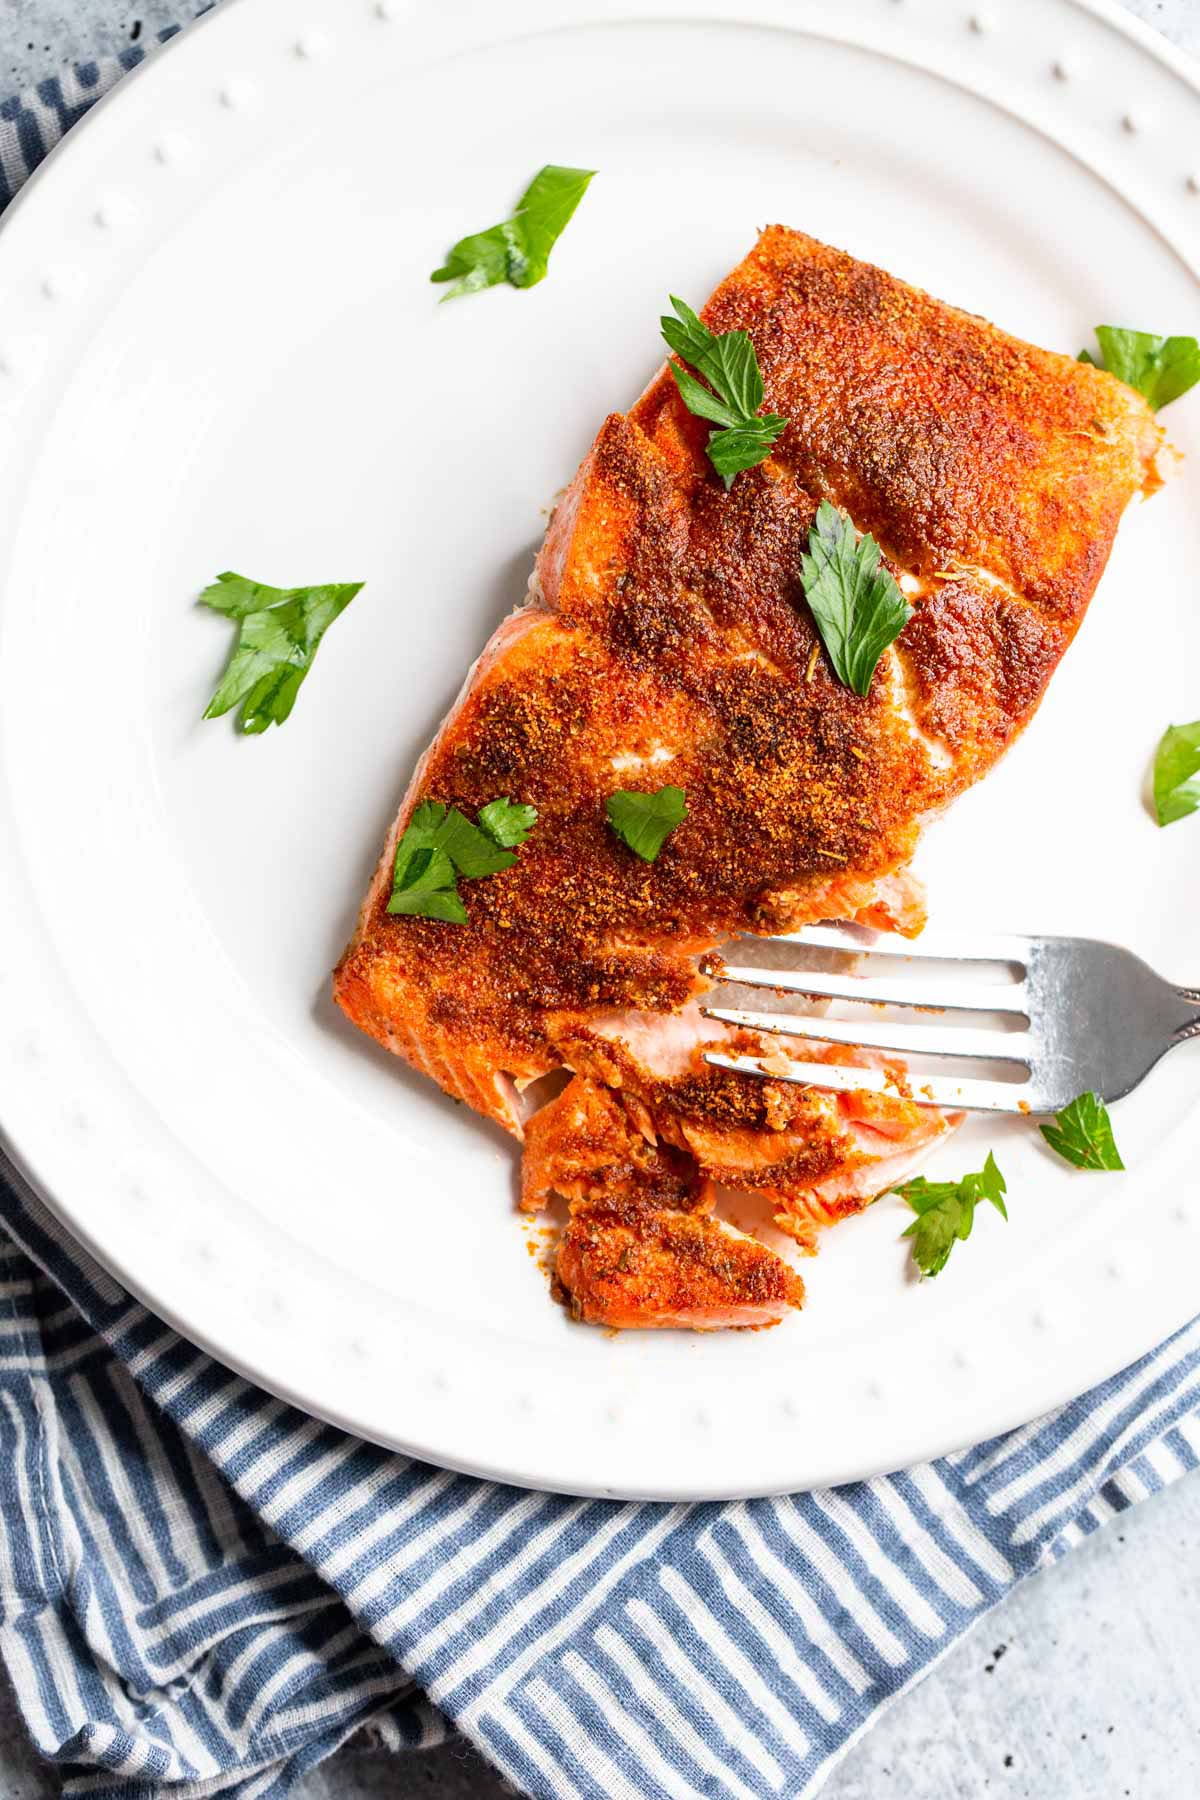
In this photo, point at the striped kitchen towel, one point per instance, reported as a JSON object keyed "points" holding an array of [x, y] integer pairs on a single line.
{"points": [[203, 1592]]}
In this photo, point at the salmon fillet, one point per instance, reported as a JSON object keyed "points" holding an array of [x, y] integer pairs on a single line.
{"points": [[666, 638]]}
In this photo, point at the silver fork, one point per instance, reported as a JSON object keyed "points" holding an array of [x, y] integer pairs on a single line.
{"points": [[1096, 1017]]}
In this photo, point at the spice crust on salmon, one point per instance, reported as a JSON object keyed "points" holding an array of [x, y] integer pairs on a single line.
{"points": [[667, 639]]}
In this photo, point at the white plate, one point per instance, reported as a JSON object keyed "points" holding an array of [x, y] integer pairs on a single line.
{"points": [[221, 350]]}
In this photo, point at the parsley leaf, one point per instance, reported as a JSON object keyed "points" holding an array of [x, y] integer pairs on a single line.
{"points": [[1176, 761], [857, 605], [1082, 1133], [428, 890], [278, 633], [688, 336], [728, 363], [645, 821], [702, 401], [1159, 368], [506, 823], [421, 864], [472, 851], [946, 1212], [518, 250], [439, 845], [743, 447]]}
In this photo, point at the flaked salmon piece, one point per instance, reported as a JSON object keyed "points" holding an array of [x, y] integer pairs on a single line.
{"points": [[849, 1189], [820, 1162], [584, 1146], [667, 639], [892, 903], [637, 1249], [627, 1266], [766, 1137]]}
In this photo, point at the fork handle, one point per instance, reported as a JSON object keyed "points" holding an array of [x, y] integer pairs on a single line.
{"points": [[1191, 997]]}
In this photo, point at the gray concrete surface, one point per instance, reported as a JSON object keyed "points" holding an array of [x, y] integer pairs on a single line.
{"points": [[1083, 1685], [1177, 19], [37, 35]]}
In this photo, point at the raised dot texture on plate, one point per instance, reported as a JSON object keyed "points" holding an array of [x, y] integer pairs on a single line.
{"points": [[1065, 1314], [112, 211], [59, 284], [313, 44], [237, 93], [171, 147], [1137, 1265]]}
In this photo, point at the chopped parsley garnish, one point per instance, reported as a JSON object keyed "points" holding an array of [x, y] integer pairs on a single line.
{"points": [[1176, 764], [507, 824], [518, 250], [1159, 368], [857, 605], [728, 363], [946, 1211], [279, 630], [645, 821], [425, 887], [1082, 1133], [440, 844]]}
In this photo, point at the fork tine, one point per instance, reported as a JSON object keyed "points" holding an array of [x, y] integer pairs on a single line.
{"points": [[936, 1090], [945, 946], [911, 1040], [932, 995]]}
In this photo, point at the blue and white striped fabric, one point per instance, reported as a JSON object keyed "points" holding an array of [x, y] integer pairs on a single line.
{"points": [[203, 1592]]}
